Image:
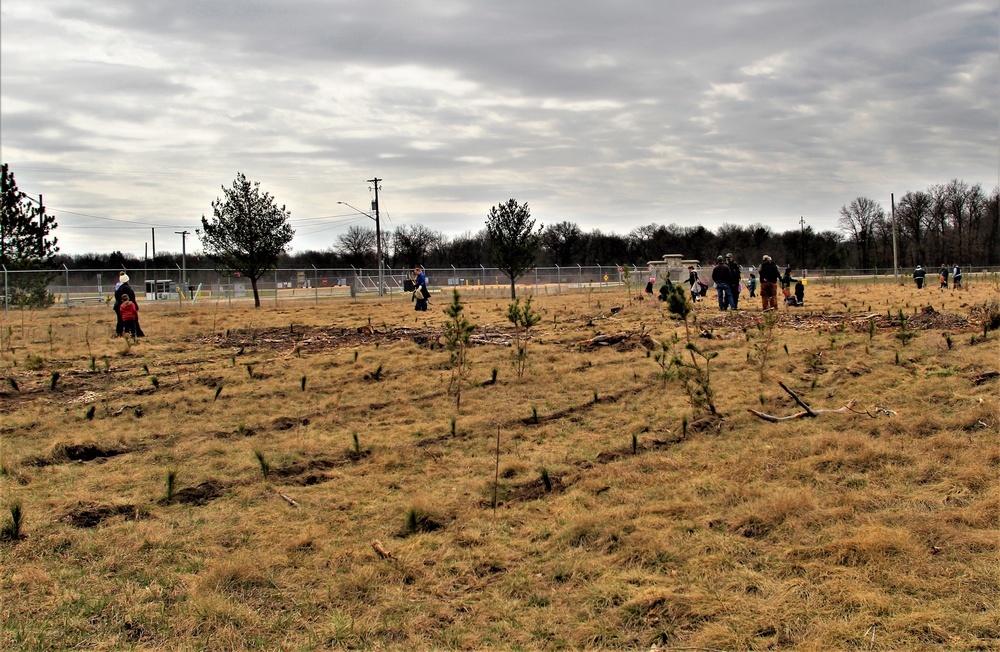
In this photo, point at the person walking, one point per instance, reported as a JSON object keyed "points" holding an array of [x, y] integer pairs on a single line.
{"points": [[695, 284], [956, 278], [943, 274], [752, 285], [769, 275], [734, 282], [722, 277], [420, 293], [918, 276]]}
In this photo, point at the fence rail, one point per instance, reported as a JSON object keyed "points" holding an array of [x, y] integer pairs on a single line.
{"points": [[72, 287]]}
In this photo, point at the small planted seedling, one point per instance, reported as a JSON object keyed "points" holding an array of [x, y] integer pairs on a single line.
{"points": [[11, 530], [303, 383], [89, 414], [155, 382], [534, 414], [171, 485], [54, 380], [412, 521], [684, 427], [265, 466], [218, 390], [355, 356], [635, 443], [250, 371], [13, 384], [145, 369], [546, 480], [453, 426], [93, 363], [357, 444]]}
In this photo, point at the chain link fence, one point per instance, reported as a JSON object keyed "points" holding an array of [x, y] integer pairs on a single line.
{"points": [[72, 287]]}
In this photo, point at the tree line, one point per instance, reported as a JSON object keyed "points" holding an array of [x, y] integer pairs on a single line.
{"points": [[954, 222]]}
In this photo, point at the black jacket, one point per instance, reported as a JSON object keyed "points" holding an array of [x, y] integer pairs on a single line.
{"points": [[722, 275], [769, 272], [124, 290]]}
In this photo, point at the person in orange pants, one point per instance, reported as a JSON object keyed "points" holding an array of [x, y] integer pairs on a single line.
{"points": [[769, 284]]}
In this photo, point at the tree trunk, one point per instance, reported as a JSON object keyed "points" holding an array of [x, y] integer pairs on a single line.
{"points": [[256, 294], [513, 294]]}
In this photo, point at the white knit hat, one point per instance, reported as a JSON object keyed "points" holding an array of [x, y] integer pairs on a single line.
{"points": [[123, 277]]}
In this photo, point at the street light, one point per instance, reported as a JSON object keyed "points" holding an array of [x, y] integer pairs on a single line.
{"points": [[378, 240]]}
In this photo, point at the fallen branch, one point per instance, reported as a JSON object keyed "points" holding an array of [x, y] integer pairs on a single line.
{"points": [[604, 340], [798, 400], [288, 500], [983, 377], [380, 551], [121, 410], [809, 412]]}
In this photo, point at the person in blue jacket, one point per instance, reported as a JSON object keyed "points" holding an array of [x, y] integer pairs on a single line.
{"points": [[420, 293]]}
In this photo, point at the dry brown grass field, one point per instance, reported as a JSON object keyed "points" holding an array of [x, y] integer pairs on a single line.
{"points": [[328, 492]]}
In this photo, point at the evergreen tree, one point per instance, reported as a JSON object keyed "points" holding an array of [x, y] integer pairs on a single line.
{"points": [[24, 242], [248, 232], [514, 240]]}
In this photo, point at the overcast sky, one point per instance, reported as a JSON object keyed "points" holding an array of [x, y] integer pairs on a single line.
{"points": [[128, 115]]}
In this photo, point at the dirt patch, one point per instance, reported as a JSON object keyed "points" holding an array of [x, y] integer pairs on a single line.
{"points": [[87, 515], [87, 452], [287, 423], [82, 452], [231, 434], [201, 494], [801, 319], [308, 339], [308, 472], [536, 489]]}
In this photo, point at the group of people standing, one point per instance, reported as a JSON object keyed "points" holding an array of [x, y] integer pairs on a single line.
{"points": [[727, 277], [956, 275]]}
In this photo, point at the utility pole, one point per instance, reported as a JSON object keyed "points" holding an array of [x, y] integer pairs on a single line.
{"points": [[895, 251], [41, 226], [183, 235], [802, 240], [378, 236]]}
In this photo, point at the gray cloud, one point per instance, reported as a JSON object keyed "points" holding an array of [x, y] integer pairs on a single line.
{"points": [[613, 115]]}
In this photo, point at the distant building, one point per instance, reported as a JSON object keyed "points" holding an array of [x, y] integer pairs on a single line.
{"points": [[673, 266]]}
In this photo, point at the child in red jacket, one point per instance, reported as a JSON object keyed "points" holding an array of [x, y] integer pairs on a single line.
{"points": [[130, 316]]}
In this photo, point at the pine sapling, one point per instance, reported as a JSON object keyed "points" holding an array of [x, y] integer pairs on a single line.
{"points": [[265, 466]]}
